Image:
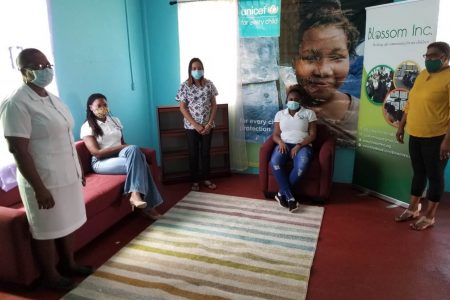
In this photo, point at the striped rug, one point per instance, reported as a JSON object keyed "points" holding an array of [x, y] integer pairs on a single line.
{"points": [[211, 246]]}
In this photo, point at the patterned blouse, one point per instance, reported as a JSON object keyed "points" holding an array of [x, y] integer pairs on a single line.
{"points": [[198, 100]]}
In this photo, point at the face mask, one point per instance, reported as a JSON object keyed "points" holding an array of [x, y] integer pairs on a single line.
{"points": [[433, 65], [293, 105], [42, 78], [197, 74], [101, 112]]}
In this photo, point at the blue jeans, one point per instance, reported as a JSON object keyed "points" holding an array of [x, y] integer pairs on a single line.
{"points": [[131, 161], [278, 162]]}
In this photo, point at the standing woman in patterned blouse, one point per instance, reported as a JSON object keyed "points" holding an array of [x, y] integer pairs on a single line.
{"points": [[197, 96]]}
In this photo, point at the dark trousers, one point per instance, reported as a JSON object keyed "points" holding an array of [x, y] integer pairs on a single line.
{"points": [[427, 164], [198, 147]]}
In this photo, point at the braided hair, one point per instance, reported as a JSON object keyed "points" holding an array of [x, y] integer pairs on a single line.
{"points": [[305, 98], [90, 117]]}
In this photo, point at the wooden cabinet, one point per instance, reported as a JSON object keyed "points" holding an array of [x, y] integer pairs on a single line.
{"points": [[173, 144]]}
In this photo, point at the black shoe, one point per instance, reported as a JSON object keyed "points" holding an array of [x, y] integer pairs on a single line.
{"points": [[281, 201], [62, 285], [293, 206], [77, 271]]}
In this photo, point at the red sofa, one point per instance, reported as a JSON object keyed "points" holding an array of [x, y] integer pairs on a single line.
{"points": [[105, 205], [316, 182]]}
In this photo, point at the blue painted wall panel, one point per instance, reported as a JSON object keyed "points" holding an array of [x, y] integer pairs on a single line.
{"points": [[90, 39], [91, 55]]}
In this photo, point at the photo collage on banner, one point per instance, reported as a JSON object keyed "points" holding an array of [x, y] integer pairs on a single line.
{"points": [[397, 36], [317, 44]]}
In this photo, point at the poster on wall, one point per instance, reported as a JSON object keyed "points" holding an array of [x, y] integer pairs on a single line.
{"points": [[320, 46], [396, 38]]}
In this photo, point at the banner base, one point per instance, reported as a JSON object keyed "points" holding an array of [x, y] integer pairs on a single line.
{"points": [[370, 192]]}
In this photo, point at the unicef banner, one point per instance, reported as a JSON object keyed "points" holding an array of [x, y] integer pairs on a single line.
{"points": [[259, 26], [396, 38], [259, 18]]}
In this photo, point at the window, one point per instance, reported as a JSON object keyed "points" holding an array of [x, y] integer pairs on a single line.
{"points": [[209, 30], [443, 34], [17, 16]]}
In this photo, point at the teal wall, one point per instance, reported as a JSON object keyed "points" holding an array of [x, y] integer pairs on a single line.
{"points": [[160, 23], [125, 49], [90, 41]]}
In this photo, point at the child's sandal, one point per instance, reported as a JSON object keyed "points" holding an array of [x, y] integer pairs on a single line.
{"points": [[195, 187], [209, 185]]}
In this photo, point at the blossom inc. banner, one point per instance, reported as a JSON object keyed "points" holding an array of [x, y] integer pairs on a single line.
{"points": [[397, 35]]}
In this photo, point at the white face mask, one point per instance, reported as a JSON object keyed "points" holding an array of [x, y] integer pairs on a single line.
{"points": [[293, 105], [42, 78], [197, 74]]}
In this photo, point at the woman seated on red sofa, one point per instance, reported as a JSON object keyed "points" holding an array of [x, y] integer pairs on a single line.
{"points": [[103, 137], [294, 131]]}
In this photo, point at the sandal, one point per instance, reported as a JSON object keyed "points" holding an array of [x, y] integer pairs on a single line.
{"points": [[195, 187], [408, 215], [209, 185], [422, 223], [138, 203]]}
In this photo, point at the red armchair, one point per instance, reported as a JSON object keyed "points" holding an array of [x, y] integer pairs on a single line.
{"points": [[316, 182]]}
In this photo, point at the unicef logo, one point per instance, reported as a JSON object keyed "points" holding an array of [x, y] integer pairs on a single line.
{"points": [[273, 9], [255, 11]]}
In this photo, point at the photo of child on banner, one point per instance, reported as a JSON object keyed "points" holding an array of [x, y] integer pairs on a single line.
{"points": [[329, 62]]}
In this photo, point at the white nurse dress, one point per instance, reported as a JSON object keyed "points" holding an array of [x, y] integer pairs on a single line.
{"points": [[48, 124]]}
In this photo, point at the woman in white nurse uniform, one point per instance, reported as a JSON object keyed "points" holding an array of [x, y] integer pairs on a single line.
{"points": [[38, 128]]}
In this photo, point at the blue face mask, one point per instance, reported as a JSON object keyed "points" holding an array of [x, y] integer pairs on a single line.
{"points": [[42, 78], [293, 105], [197, 74]]}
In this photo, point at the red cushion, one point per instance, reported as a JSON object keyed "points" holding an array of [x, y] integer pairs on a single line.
{"points": [[102, 192], [84, 156], [10, 198]]}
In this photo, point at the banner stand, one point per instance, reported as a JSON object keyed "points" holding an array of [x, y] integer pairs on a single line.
{"points": [[370, 192], [397, 36]]}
